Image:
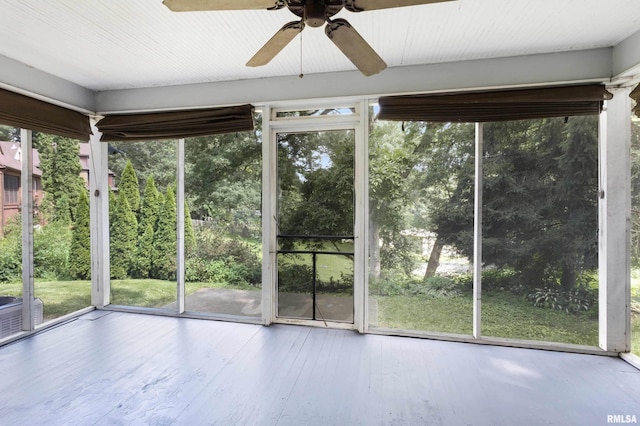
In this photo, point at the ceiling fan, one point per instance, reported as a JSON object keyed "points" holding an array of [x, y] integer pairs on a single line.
{"points": [[314, 13]]}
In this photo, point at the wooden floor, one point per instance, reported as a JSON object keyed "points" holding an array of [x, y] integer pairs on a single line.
{"points": [[126, 369]]}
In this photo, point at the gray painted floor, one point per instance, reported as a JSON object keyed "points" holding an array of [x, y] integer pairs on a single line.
{"points": [[116, 368]]}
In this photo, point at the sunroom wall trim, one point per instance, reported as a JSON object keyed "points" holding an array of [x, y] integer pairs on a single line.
{"points": [[533, 70]]}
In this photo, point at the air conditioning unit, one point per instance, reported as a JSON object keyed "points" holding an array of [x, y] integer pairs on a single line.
{"points": [[11, 315]]}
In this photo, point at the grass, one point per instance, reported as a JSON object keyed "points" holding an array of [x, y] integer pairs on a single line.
{"points": [[503, 315], [63, 297], [328, 266]]}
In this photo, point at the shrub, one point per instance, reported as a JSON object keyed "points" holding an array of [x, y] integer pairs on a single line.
{"points": [[343, 285], [10, 261], [80, 259], [578, 300], [51, 247], [221, 271], [294, 278], [164, 240], [123, 233]]}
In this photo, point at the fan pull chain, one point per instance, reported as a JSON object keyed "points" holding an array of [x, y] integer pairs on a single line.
{"points": [[301, 74]]}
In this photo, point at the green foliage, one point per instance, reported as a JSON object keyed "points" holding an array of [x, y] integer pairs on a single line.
{"points": [[8, 133], [150, 206], [164, 240], [294, 278], [635, 190], [128, 187], [80, 256], [317, 172], [219, 258], [51, 249], [124, 236], [61, 179], [148, 158], [572, 302], [10, 258], [433, 287], [142, 262], [189, 233], [224, 180], [539, 200]]}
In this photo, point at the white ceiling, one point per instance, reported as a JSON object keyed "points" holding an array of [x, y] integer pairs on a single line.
{"points": [[123, 44]]}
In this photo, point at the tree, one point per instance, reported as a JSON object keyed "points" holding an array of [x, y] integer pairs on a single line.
{"points": [[635, 190], [189, 233], [80, 254], [148, 158], [124, 236], [223, 180], [164, 240], [539, 200], [150, 206], [10, 134], [143, 260], [129, 188], [61, 179]]}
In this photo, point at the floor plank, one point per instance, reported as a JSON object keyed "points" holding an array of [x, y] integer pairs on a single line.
{"points": [[119, 368]]}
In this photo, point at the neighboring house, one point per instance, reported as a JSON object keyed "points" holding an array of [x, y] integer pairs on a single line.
{"points": [[85, 162], [10, 183]]}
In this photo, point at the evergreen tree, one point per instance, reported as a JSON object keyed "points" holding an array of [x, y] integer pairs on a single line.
{"points": [[189, 234], [112, 205], [80, 255], [128, 186], [142, 267], [124, 237], [150, 207], [62, 209], [164, 240], [61, 179]]}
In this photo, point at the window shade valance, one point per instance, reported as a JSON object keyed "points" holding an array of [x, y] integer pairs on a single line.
{"points": [[28, 113], [496, 105], [177, 124], [635, 95]]}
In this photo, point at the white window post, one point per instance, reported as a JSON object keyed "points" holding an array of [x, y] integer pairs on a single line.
{"points": [[614, 214], [28, 292], [99, 218]]}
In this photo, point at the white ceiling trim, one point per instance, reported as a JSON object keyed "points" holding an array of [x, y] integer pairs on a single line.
{"points": [[533, 70]]}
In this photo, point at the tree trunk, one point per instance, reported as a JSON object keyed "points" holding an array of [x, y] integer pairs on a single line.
{"points": [[434, 258], [568, 279], [374, 248]]}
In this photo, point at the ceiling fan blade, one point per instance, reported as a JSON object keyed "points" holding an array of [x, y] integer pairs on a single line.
{"points": [[364, 5], [201, 5], [276, 44], [354, 47]]}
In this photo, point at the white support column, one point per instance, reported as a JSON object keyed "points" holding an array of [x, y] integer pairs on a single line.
{"points": [[477, 235], [268, 217], [180, 229], [26, 183], [615, 223], [361, 178], [99, 218]]}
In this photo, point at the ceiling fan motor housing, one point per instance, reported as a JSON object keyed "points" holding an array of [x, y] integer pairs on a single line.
{"points": [[315, 13]]}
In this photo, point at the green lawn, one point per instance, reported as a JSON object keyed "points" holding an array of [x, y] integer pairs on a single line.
{"points": [[63, 297], [328, 266], [503, 315]]}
